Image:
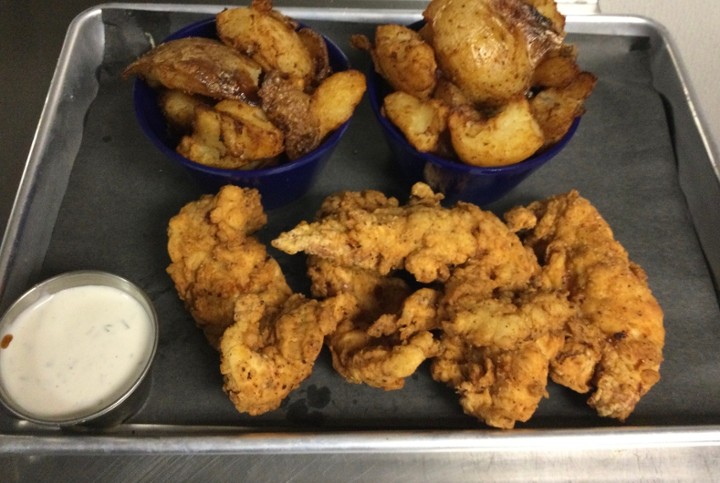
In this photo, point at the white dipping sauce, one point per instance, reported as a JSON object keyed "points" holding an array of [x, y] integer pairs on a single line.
{"points": [[75, 352]]}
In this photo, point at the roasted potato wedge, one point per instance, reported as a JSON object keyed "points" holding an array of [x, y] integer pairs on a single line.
{"points": [[557, 69], [422, 121], [234, 135], [288, 107], [196, 65], [315, 44], [489, 49], [404, 60], [252, 135], [548, 8], [336, 98], [179, 108], [269, 39], [556, 108], [508, 137]]}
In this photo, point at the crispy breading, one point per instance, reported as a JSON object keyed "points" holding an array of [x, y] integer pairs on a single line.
{"points": [[384, 353], [266, 354], [499, 332], [421, 237], [215, 258], [614, 348], [500, 387]]}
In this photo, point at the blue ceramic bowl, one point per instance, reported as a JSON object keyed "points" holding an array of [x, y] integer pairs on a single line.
{"points": [[278, 185], [456, 180]]}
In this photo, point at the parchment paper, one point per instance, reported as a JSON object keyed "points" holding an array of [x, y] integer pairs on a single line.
{"points": [[122, 192]]}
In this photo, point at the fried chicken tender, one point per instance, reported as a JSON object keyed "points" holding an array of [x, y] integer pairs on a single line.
{"points": [[215, 258], [421, 237], [386, 352], [498, 386], [614, 347], [389, 336], [499, 332], [266, 354]]}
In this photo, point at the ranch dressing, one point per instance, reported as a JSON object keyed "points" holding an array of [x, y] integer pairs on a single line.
{"points": [[75, 352]]}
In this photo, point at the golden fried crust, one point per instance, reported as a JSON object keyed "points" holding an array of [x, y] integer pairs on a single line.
{"points": [[497, 352], [214, 258], [499, 387], [266, 354], [391, 349], [621, 323], [421, 237], [196, 65], [375, 294]]}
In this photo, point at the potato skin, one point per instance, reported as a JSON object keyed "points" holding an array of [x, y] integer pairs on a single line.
{"points": [[478, 51], [403, 58], [197, 65], [508, 137], [268, 39], [422, 121], [556, 108], [336, 98]]}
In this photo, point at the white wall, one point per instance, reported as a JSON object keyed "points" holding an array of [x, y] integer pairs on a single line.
{"points": [[694, 26]]}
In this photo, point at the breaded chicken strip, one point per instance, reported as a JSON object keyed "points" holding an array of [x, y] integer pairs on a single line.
{"points": [[614, 348], [215, 258], [500, 387], [266, 354], [497, 353], [389, 336], [386, 352], [421, 237]]}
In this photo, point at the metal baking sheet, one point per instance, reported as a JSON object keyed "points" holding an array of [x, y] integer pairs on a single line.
{"points": [[97, 195]]}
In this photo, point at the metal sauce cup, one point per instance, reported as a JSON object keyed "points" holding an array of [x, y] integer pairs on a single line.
{"points": [[125, 393]]}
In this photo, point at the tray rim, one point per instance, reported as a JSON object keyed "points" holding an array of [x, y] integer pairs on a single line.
{"points": [[169, 439]]}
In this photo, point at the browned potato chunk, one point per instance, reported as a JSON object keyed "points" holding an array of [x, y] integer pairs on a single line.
{"points": [[179, 108], [231, 137], [315, 44], [252, 135], [198, 66], [489, 49], [288, 107], [508, 137], [556, 108], [335, 100], [421, 121], [548, 8], [557, 69], [403, 58], [450, 94], [463, 32], [268, 38]]}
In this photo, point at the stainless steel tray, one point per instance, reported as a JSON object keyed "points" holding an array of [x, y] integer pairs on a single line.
{"points": [[96, 194]]}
